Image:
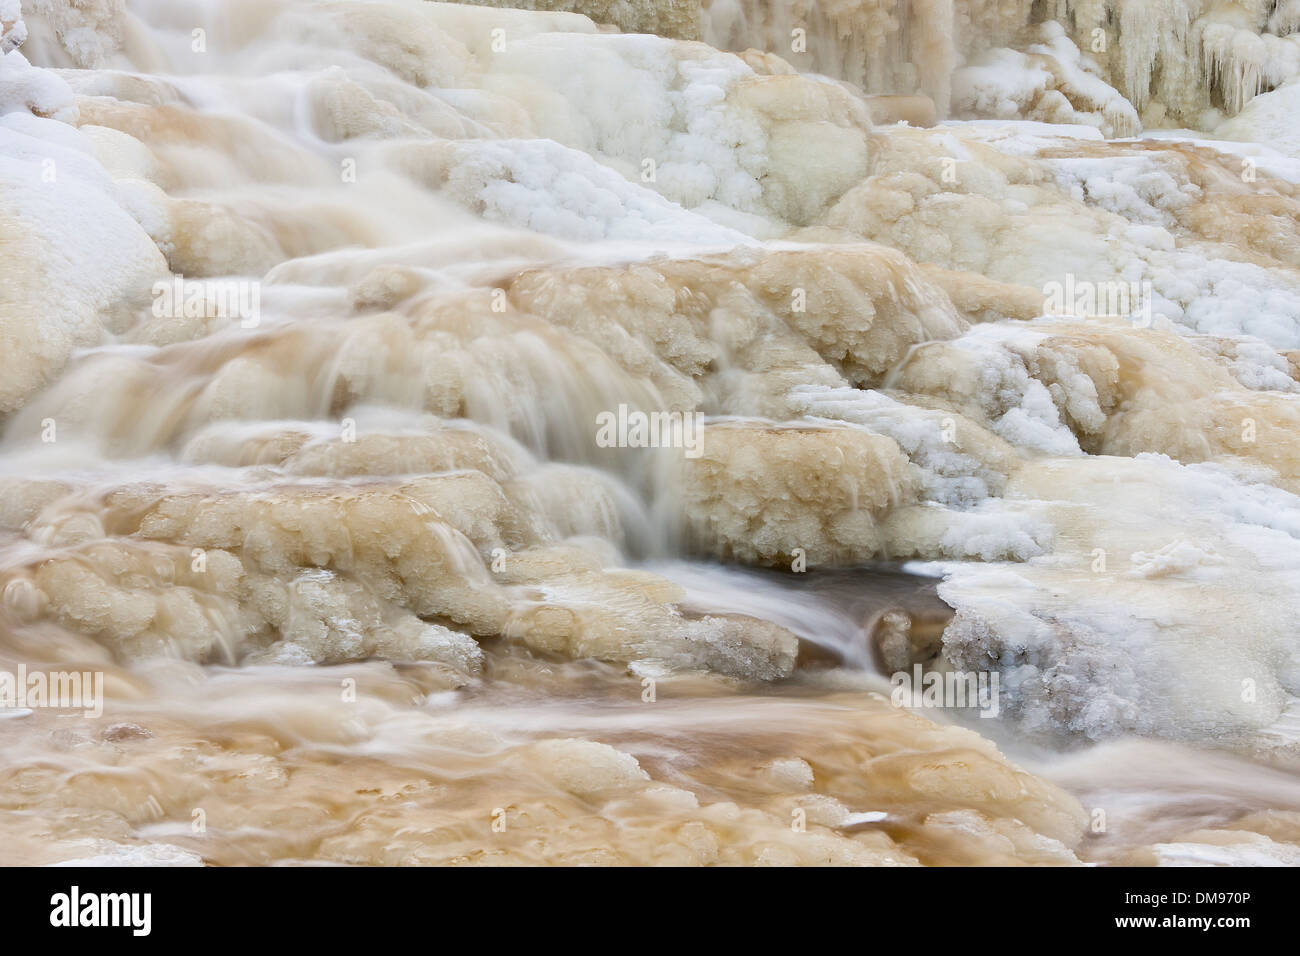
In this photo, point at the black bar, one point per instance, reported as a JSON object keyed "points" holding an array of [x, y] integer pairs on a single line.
{"points": [[330, 906]]}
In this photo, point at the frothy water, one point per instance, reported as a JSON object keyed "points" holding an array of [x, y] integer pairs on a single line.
{"points": [[459, 434]]}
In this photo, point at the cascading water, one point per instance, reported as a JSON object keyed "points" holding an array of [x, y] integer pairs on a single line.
{"points": [[459, 434]]}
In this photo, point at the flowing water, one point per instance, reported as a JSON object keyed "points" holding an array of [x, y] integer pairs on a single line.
{"points": [[458, 434]]}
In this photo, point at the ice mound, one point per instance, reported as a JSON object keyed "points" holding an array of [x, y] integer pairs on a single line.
{"points": [[1266, 119], [959, 462], [1048, 83], [66, 231], [13, 32], [582, 767], [1144, 548], [1114, 390], [295, 575], [772, 494], [82, 35], [696, 126], [859, 307]]}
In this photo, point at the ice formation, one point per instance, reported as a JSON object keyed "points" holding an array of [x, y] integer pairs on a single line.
{"points": [[1185, 61], [432, 243]]}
